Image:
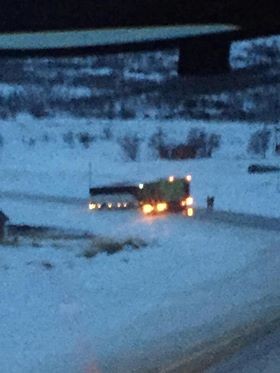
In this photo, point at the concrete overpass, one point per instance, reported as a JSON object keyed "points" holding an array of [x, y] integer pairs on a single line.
{"points": [[202, 30]]}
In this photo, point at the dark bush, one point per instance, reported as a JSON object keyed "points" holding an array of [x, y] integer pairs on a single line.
{"points": [[68, 138], [31, 141], [213, 143], [46, 137], [259, 142], [204, 144], [183, 151], [85, 138], [177, 152], [47, 265], [127, 113], [157, 143], [198, 144], [38, 109], [107, 133], [260, 168], [130, 146], [197, 139]]}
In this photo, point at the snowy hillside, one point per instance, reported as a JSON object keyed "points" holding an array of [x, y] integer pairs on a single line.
{"points": [[144, 85]]}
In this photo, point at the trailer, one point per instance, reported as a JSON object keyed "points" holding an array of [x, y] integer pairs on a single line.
{"points": [[161, 196]]}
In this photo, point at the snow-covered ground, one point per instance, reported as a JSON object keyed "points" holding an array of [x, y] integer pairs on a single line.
{"points": [[46, 157], [194, 280]]}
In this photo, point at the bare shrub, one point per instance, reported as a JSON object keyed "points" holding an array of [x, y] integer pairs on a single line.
{"points": [[259, 142], [182, 151], [47, 265], [68, 138], [90, 252], [111, 246], [198, 144], [204, 144], [157, 139], [38, 109], [127, 112], [31, 142], [107, 133], [130, 146], [85, 138], [46, 137], [36, 244], [176, 152], [197, 139], [157, 144], [168, 151], [213, 143]]}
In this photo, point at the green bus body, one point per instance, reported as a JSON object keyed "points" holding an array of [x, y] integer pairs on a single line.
{"points": [[173, 192], [164, 190]]}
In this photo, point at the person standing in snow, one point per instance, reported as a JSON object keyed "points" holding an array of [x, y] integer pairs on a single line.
{"points": [[210, 203]]}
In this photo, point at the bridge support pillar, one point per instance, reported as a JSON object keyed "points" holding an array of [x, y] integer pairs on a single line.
{"points": [[204, 56]]}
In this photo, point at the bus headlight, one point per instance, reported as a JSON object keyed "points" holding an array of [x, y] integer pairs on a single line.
{"points": [[189, 201], [161, 206], [190, 211], [147, 208]]}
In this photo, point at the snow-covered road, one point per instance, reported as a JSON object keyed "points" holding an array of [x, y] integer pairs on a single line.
{"points": [[261, 356]]}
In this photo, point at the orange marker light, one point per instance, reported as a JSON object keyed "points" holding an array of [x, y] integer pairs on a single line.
{"points": [[162, 206], [190, 211], [147, 208], [189, 201]]}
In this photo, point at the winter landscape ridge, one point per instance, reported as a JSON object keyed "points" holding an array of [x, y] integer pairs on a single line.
{"points": [[175, 283]]}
